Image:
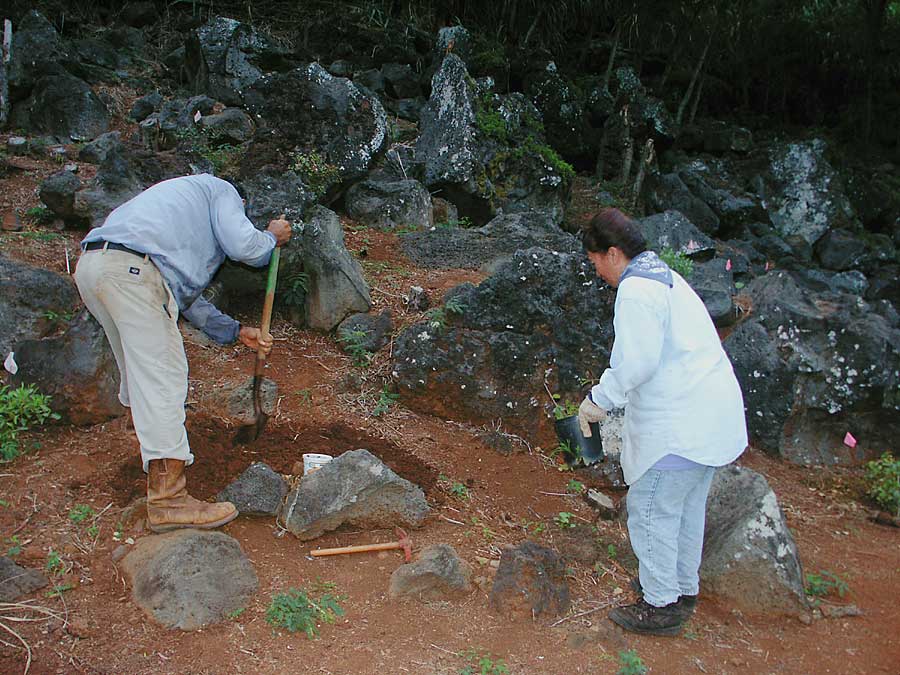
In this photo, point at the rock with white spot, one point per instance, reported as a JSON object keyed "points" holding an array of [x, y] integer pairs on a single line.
{"points": [[355, 488], [749, 555]]}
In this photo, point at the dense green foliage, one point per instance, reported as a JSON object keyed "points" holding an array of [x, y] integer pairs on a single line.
{"points": [[20, 409], [883, 482], [300, 611]]}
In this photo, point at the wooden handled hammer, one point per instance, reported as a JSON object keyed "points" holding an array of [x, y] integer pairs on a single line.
{"points": [[402, 542]]}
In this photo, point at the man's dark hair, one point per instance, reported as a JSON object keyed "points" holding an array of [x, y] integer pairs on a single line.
{"points": [[611, 227]]}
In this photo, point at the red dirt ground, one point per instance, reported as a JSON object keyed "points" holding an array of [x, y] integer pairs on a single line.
{"points": [[325, 406]]}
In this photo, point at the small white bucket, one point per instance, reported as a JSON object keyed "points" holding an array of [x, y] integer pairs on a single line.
{"points": [[313, 462]]}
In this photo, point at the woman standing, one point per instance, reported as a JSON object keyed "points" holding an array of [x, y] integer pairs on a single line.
{"points": [[684, 416]]}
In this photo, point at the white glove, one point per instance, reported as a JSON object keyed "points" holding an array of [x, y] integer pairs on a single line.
{"points": [[589, 412]]}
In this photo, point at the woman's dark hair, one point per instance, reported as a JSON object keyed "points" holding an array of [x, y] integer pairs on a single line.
{"points": [[611, 227]]}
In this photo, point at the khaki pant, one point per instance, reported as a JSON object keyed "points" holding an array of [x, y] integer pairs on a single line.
{"points": [[133, 303]]}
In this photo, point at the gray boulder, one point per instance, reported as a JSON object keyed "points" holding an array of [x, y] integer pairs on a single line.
{"points": [[749, 555], [530, 582], [473, 248], [232, 125], [486, 153], [562, 112], [336, 284], [715, 286], [145, 106], [672, 230], [813, 366], [841, 250], [401, 81], [29, 299], [387, 205], [310, 109], [489, 351], [365, 331], [64, 106], [438, 574], [355, 488], [77, 369], [804, 194], [36, 51], [97, 150], [16, 581], [227, 57], [58, 193], [649, 116], [189, 579], [667, 191], [259, 491], [234, 400]]}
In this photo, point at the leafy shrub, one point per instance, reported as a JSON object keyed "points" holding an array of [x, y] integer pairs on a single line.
{"points": [[296, 289], [354, 343], [39, 215], [385, 400], [825, 583], [677, 261], [299, 611], [631, 664], [315, 171], [20, 409], [883, 482]]}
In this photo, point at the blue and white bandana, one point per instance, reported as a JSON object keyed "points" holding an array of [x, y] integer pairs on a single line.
{"points": [[648, 265]]}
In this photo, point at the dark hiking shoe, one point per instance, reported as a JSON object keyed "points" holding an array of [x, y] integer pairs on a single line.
{"points": [[644, 618], [688, 603]]}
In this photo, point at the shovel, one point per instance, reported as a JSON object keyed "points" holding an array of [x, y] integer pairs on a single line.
{"points": [[251, 432]]}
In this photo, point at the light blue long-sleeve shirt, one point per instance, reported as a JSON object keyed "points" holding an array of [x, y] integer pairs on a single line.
{"points": [[188, 226]]}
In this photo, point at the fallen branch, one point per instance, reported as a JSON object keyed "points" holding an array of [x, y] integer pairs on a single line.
{"points": [[580, 614]]}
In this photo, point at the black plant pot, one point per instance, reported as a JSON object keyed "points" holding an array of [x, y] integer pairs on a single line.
{"points": [[590, 449]]}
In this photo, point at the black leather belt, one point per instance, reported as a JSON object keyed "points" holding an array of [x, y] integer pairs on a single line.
{"points": [[112, 246]]}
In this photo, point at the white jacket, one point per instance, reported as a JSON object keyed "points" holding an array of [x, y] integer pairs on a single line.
{"points": [[670, 373]]}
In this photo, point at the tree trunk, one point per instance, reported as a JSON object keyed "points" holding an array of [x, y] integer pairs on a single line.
{"points": [[604, 137], [646, 160], [537, 18], [5, 55], [612, 54], [628, 146], [697, 100], [875, 10], [690, 89]]}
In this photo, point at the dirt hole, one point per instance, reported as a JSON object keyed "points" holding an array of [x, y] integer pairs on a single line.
{"points": [[217, 462]]}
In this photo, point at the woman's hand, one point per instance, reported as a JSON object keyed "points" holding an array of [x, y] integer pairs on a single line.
{"points": [[253, 338], [588, 413]]}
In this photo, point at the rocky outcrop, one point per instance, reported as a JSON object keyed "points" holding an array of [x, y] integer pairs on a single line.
{"points": [[388, 205], [77, 369], [542, 316], [814, 365], [357, 489], [749, 555], [32, 302]]}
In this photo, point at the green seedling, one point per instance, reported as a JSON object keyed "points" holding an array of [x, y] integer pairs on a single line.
{"points": [[575, 487], [55, 564], [58, 590], [385, 401], [611, 552], [564, 409], [825, 583], [20, 409], [296, 287], [300, 611], [482, 664], [15, 546], [354, 343], [677, 261], [80, 513], [631, 664], [565, 520], [305, 396]]}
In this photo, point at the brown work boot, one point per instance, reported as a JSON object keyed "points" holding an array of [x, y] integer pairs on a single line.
{"points": [[170, 507]]}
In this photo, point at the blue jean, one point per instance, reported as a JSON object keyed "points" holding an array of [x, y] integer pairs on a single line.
{"points": [[666, 517]]}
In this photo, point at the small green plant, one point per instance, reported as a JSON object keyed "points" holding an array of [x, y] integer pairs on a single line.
{"points": [[305, 396], [20, 409], [55, 564], [80, 513], [677, 261], [224, 157], [40, 236], [482, 664], [236, 613], [15, 546], [315, 171], [464, 221], [576, 487], [883, 482], [611, 552], [459, 490], [93, 531], [58, 590], [39, 215], [825, 583], [631, 664], [354, 343], [56, 317], [386, 399], [564, 409], [571, 453], [296, 288], [455, 306], [565, 520], [4, 503], [300, 611]]}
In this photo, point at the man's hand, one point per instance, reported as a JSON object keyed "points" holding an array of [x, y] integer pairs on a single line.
{"points": [[281, 229], [589, 412], [253, 338]]}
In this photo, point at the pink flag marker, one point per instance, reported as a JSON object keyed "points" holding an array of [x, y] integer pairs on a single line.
{"points": [[728, 265], [849, 440]]}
